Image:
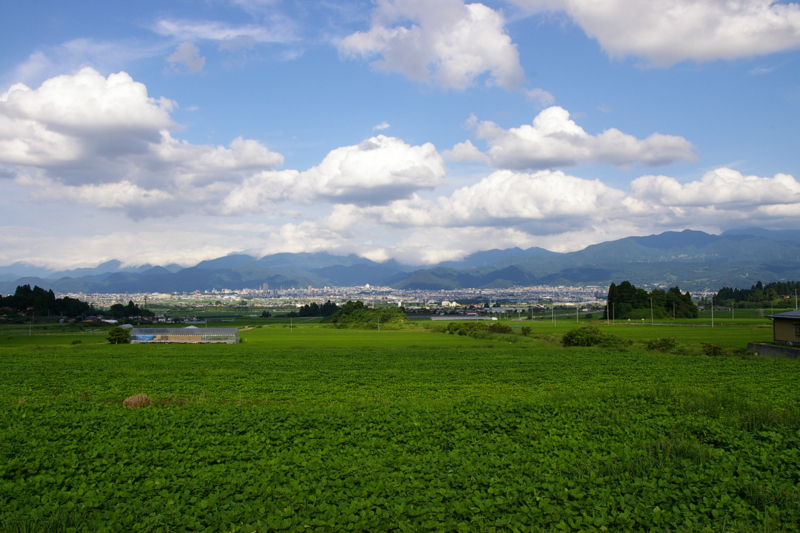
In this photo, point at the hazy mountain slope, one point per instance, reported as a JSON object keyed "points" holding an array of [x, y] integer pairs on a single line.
{"points": [[317, 260], [359, 274], [790, 235], [692, 259], [225, 262], [491, 257]]}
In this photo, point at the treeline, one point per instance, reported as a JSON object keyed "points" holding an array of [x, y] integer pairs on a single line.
{"points": [[759, 294], [310, 310], [626, 301], [314, 309], [44, 303], [357, 315], [127, 311]]}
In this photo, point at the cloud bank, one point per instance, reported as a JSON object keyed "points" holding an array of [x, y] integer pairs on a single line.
{"points": [[105, 142], [666, 32], [554, 140]]}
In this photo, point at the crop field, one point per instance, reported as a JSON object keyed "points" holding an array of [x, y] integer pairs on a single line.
{"points": [[319, 429]]}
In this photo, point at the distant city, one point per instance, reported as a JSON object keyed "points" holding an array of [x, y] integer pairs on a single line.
{"points": [[411, 300]]}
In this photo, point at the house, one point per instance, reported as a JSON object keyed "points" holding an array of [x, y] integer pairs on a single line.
{"points": [[786, 327]]}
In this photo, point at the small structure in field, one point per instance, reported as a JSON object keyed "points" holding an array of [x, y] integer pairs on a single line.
{"points": [[189, 335], [463, 317], [786, 327]]}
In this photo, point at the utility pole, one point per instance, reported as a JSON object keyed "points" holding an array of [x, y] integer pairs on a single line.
{"points": [[608, 316], [379, 322], [30, 329], [673, 310], [576, 316], [712, 311], [651, 312], [614, 313], [291, 326]]}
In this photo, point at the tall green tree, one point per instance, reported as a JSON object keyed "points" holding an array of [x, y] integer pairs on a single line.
{"points": [[627, 301], [119, 336]]}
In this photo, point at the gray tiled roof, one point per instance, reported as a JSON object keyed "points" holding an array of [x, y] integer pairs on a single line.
{"points": [[787, 314]]}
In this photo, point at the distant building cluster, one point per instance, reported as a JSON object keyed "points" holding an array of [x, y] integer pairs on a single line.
{"points": [[463, 302]]}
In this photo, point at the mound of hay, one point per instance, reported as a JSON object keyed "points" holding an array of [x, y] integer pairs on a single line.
{"points": [[135, 402]]}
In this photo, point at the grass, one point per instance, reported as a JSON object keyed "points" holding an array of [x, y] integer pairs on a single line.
{"points": [[318, 429], [729, 333]]}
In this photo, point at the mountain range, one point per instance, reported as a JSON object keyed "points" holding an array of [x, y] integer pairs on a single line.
{"points": [[693, 260]]}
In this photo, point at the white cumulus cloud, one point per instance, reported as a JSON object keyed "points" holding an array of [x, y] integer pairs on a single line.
{"points": [[445, 42], [563, 212], [505, 198], [104, 141], [665, 32], [721, 188], [378, 170], [554, 140]]}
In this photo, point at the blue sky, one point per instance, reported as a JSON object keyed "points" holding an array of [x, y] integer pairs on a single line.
{"points": [[421, 131]]}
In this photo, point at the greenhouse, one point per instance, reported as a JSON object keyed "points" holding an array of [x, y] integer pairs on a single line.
{"points": [[190, 335]]}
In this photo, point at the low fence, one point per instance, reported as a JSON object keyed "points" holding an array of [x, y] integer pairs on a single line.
{"points": [[771, 350]]}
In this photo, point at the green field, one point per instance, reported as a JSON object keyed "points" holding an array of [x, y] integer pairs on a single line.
{"points": [[319, 429]]}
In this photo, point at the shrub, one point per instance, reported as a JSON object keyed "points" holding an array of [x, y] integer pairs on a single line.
{"points": [[497, 327], [526, 331], [661, 345], [588, 316], [481, 330], [585, 336], [135, 402], [713, 349], [591, 336], [466, 328], [76, 341]]}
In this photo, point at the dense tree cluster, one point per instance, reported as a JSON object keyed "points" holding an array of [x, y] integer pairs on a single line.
{"points": [[43, 303], [357, 315], [120, 311], [314, 309], [759, 294], [626, 301]]}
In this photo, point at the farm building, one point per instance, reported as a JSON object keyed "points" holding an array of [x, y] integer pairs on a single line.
{"points": [[190, 335], [463, 317], [786, 327]]}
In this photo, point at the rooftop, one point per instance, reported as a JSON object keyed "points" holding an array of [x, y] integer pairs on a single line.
{"points": [[787, 314]]}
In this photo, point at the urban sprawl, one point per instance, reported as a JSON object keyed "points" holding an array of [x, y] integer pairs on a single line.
{"points": [[427, 302]]}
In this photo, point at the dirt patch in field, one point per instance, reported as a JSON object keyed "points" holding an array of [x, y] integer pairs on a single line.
{"points": [[135, 402]]}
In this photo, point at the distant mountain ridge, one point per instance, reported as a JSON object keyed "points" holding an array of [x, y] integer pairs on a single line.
{"points": [[691, 259]]}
